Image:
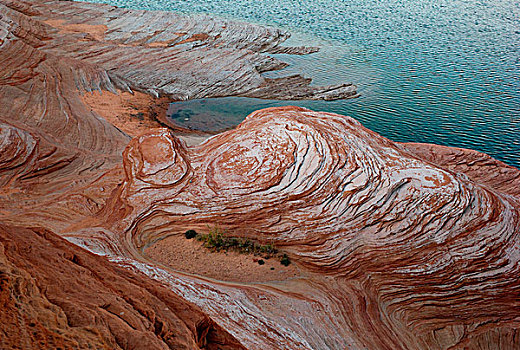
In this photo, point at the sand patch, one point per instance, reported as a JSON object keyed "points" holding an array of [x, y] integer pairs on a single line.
{"points": [[188, 255], [96, 32], [132, 113], [137, 113]]}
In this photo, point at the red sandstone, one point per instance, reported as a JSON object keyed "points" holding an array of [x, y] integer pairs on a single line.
{"points": [[397, 246]]}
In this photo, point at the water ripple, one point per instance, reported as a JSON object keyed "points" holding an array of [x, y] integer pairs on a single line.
{"points": [[441, 71]]}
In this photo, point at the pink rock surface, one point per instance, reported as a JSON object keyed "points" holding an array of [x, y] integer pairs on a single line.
{"points": [[400, 246], [392, 245]]}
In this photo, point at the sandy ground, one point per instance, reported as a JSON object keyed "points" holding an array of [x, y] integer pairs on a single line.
{"points": [[136, 113], [188, 255], [133, 114]]}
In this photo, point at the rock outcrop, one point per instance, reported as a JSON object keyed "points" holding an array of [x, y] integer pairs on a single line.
{"points": [[399, 246], [60, 160], [56, 295], [424, 256], [53, 52], [162, 53]]}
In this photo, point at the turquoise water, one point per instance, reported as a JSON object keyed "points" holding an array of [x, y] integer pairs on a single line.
{"points": [[439, 71]]}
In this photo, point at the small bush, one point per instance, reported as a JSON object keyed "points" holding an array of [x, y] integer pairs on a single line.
{"points": [[285, 260], [190, 234], [217, 239], [261, 262]]}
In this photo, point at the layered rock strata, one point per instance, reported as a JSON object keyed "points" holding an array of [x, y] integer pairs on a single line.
{"points": [[56, 295], [60, 158], [399, 246], [55, 52], [162, 53], [425, 256]]}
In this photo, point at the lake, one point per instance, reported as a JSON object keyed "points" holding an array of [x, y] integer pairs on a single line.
{"points": [[438, 71]]}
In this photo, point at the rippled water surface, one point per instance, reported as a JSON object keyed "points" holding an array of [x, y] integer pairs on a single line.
{"points": [[439, 71]]}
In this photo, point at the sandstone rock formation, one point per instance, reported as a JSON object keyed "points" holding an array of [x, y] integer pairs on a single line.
{"points": [[391, 243], [56, 295], [167, 54], [400, 246], [60, 159], [53, 52]]}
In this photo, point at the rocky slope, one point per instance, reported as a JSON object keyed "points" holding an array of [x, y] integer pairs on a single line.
{"points": [[56, 295], [398, 246], [424, 256]]}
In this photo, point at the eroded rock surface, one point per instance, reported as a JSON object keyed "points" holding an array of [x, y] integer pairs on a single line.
{"points": [[399, 246], [423, 255], [56, 295], [168, 54], [54, 52]]}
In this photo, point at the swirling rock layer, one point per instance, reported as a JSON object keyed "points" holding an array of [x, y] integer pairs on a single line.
{"points": [[425, 256], [60, 160], [398, 246], [53, 52]]}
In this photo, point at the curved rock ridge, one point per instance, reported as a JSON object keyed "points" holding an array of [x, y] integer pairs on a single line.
{"points": [[56, 295], [54, 52], [392, 244]]}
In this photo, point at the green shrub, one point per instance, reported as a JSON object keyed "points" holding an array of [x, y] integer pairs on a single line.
{"points": [[217, 239], [285, 260], [190, 234], [268, 249]]}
